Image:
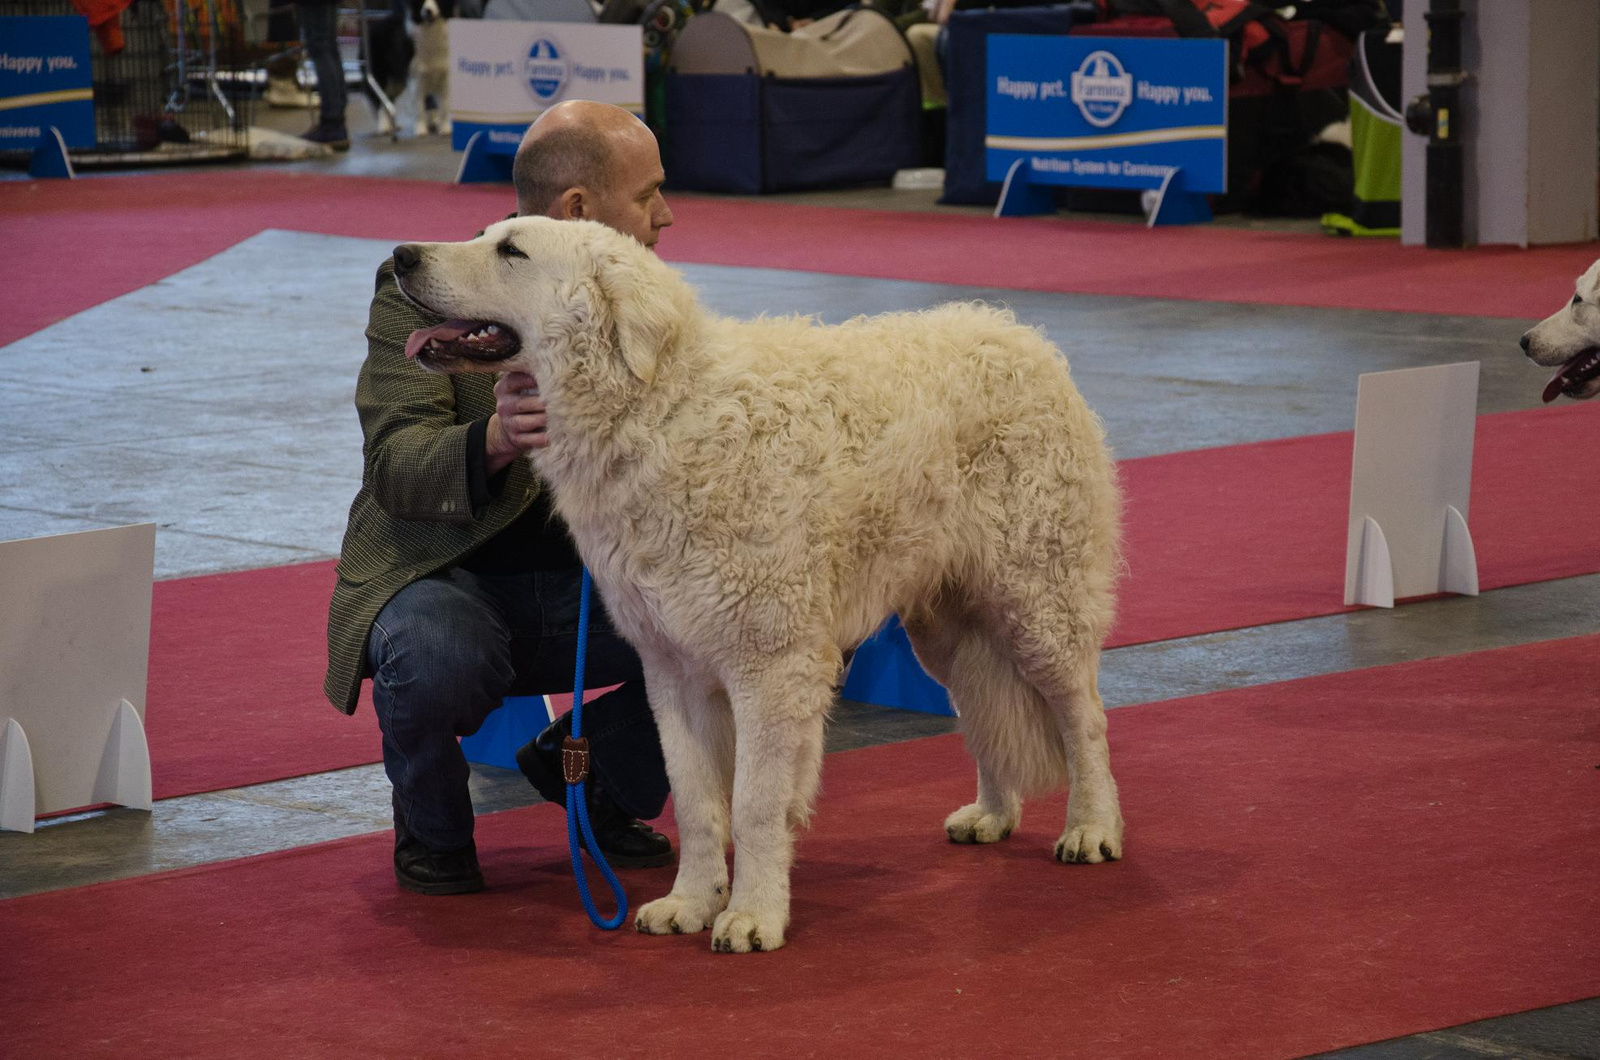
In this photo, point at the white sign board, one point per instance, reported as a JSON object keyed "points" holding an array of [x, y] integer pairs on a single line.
{"points": [[504, 74], [74, 657], [1410, 483]]}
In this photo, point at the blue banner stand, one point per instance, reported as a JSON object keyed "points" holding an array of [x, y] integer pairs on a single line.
{"points": [[884, 672], [480, 164], [1174, 206], [509, 727], [1021, 197], [50, 159]]}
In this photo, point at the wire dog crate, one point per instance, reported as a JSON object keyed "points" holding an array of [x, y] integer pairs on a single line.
{"points": [[172, 93]]}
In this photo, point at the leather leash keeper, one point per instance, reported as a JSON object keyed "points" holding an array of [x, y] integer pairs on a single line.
{"points": [[575, 759]]}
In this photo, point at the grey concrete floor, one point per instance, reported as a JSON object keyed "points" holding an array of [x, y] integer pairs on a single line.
{"points": [[228, 422]]}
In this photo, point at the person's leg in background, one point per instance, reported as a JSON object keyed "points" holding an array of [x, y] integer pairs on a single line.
{"points": [[319, 25]]}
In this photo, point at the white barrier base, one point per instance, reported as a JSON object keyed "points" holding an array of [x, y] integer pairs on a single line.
{"points": [[16, 780], [1374, 580], [1410, 485], [1458, 562], [74, 652], [124, 777], [125, 770]]}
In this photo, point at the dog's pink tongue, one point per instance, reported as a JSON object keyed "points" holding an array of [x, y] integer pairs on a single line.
{"points": [[449, 331], [1552, 389]]}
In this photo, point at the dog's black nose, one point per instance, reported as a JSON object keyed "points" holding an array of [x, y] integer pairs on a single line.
{"points": [[1524, 342], [406, 258]]}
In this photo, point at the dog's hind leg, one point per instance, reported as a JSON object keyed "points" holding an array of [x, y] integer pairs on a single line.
{"points": [[807, 770], [999, 720], [1069, 685], [696, 728], [778, 706]]}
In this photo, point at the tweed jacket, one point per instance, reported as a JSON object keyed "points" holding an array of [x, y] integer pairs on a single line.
{"points": [[413, 515]]}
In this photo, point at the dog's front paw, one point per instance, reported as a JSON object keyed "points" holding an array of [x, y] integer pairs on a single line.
{"points": [[971, 824], [677, 915], [739, 932], [1087, 844]]}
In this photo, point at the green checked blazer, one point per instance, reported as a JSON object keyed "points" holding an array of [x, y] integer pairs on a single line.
{"points": [[413, 515]]}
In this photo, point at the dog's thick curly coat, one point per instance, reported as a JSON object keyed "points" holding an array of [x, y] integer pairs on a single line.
{"points": [[754, 498]]}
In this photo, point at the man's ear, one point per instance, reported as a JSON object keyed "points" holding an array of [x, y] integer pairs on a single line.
{"points": [[572, 205], [638, 294]]}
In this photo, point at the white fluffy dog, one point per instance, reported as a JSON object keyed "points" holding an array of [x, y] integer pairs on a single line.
{"points": [[1570, 338], [754, 498], [433, 64]]}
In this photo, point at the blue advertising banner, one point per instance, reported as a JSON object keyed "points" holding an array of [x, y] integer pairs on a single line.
{"points": [[1109, 112], [44, 81]]}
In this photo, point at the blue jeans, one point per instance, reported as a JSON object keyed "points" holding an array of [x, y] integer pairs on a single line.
{"points": [[444, 651], [319, 25]]}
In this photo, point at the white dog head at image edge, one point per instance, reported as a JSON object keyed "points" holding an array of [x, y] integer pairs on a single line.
{"points": [[1570, 340], [532, 288]]}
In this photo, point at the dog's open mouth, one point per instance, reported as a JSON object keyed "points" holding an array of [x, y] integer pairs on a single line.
{"points": [[463, 340], [1573, 375]]}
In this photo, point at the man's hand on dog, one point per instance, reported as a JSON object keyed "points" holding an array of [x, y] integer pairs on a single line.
{"points": [[518, 423]]}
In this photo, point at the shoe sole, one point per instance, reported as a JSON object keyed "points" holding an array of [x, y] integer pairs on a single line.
{"points": [[435, 889], [654, 861]]}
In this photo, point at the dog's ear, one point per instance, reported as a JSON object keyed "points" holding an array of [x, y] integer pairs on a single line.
{"points": [[641, 299]]}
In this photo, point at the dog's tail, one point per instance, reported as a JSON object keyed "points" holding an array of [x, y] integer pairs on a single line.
{"points": [[1008, 727]]}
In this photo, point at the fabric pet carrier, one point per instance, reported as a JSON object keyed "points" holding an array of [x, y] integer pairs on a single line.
{"points": [[1376, 131], [752, 109], [966, 82]]}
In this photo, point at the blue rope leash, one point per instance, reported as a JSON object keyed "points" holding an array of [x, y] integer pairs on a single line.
{"points": [[577, 804]]}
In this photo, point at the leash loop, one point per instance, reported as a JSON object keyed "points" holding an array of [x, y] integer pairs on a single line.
{"points": [[575, 771]]}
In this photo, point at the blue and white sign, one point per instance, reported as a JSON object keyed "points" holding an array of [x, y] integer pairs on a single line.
{"points": [[1109, 112], [45, 81], [504, 74], [546, 69]]}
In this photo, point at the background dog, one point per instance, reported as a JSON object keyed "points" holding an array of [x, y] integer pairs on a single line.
{"points": [[390, 60], [1570, 338], [432, 38], [754, 498], [414, 39]]}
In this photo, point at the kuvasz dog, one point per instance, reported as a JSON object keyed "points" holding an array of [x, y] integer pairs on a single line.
{"points": [[1570, 338], [420, 33], [755, 498]]}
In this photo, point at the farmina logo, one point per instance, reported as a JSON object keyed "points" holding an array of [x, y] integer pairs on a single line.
{"points": [[1102, 89], [545, 70]]}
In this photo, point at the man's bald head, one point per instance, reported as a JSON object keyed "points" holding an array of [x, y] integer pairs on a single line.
{"points": [[593, 161]]}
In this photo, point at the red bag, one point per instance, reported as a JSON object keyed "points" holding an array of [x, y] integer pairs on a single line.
{"points": [[1267, 53]]}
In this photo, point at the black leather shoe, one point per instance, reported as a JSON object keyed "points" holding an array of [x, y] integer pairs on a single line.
{"points": [[416, 868], [627, 843]]}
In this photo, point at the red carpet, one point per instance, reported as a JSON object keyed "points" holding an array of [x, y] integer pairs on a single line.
{"points": [[235, 693], [1251, 534], [143, 228], [1310, 865], [236, 660]]}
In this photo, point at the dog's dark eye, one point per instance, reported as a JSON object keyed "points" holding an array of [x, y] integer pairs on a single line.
{"points": [[1577, 299], [509, 249]]}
